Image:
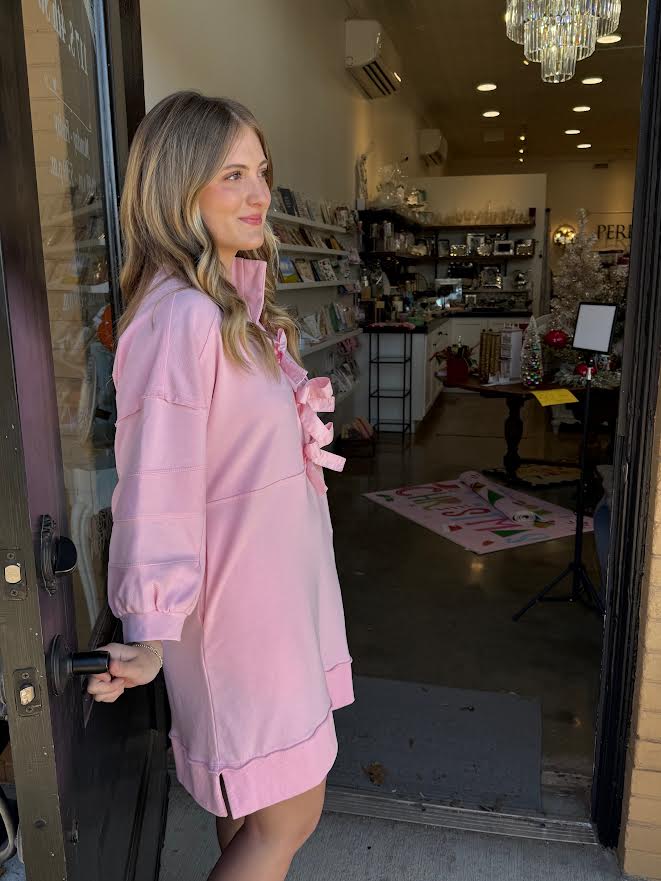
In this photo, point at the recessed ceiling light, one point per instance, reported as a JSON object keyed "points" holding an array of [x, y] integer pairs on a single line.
{"points": [[583, 146], [487, 87], [592, 80], [522, 137], [582, 108], [572, 131], [521, 150], [609, 38], [399, 79], [491, 113], [520, 158], [526, 62]]}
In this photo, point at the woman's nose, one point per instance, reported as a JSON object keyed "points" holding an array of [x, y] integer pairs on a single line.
{"points": [[259, 193]]}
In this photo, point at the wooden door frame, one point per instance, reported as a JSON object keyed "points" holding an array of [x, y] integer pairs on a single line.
{"points": [[634, 455], [31, 476]]}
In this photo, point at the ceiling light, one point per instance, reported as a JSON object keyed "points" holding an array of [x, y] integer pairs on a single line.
{"points": [[487, 87], [397, 76], [583, 146], [522, 137], [491, 113], [609, 38], [520, 158], [521, 150], [582, 108], [592, 80], [526, 62], [572, 131]]}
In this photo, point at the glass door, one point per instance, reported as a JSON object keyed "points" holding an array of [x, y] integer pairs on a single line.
{"points": [[91, 778]]}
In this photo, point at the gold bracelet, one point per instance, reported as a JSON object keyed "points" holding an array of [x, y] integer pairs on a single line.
{"points": [[151, 649]]}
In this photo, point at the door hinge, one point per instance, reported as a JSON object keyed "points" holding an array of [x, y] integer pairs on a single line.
{"points": [[27, 691], [13, 571]]}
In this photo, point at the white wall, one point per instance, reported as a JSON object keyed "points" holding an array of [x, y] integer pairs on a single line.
{"points": [[285, 61], [449, 194]]}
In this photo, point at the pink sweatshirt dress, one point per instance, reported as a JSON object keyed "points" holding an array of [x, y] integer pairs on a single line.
{"points": [[222, 547]]}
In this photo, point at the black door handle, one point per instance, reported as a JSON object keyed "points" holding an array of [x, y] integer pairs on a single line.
{"points": [[61, 664], [58, 554]]}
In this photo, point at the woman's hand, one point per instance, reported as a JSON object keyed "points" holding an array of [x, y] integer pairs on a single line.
{"points": [[130, 665]]}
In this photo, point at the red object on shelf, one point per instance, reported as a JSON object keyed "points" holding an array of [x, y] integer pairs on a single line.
{"points": [[457, 369], [581, 369], [557, 339]]}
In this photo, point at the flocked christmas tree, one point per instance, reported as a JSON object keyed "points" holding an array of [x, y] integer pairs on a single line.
{"points": [[532, 370], [581, 277]]}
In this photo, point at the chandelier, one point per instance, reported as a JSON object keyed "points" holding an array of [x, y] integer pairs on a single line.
{"points": [[558, 33]]}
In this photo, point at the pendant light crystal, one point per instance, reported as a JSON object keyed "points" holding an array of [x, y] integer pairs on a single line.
{"points": [[514, 19], [558, 33]]}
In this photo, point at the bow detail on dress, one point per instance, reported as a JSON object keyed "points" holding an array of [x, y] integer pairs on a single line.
{"points": [[312, 396]]}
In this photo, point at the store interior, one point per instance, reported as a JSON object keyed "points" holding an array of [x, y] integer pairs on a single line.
{"points": [[441, 212], [483, 197]]}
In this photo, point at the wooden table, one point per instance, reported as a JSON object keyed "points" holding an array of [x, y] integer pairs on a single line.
{"points": [[603, 409]]}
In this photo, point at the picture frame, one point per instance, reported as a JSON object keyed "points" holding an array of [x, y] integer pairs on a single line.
{"points": [[443, 247], [524, 247], [503, 248], [595, 324], [473, 242], [490, 277]]}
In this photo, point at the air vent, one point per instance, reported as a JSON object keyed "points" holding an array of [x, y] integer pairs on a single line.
{"points": [[380, 78]]}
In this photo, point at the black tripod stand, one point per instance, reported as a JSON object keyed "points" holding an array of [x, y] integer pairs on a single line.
{"points": [[582, 588]]}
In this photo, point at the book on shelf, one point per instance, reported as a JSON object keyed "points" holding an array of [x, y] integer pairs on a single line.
{"points": [[277, 202], [304, 269], [288, 273], [301, 204], [323, 269], [288, 201], [282, 234]]}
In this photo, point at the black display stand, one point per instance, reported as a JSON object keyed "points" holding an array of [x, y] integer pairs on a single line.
{"points": [[377, 393], [582, 587]]}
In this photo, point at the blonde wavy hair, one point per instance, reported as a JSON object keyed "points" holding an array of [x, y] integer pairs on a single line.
{"points": [[177, 150]]}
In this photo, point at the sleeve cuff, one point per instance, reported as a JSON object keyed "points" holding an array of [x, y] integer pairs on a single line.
{"points": [[148, 626]]}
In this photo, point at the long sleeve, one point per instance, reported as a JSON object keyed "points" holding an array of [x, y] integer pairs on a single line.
{"points": [[164, 379]]}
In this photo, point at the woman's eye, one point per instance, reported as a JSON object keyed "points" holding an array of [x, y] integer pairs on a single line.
{"points": [[236, 174]]}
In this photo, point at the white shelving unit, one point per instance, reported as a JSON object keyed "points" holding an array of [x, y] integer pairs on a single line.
{"points": [[278, 217], [301, 285], [330, 341], [307, 249]]}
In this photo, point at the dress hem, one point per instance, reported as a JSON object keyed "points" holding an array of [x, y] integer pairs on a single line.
{"points": [[265, 780]]}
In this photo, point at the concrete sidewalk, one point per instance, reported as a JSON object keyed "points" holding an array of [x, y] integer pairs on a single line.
{"points": [[350, 848]]}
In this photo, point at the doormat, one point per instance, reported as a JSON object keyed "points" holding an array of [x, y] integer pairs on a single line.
{"points": [[480, 523], [474, 749], [540, 475]]}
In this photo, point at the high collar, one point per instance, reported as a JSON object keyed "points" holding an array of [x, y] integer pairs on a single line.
{"points": [[249, 278]]}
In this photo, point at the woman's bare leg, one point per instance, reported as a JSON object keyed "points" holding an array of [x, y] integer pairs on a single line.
{"points": [[226, 829], [266, 843]]}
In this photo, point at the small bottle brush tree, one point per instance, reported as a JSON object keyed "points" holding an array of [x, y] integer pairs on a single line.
{"points": [[532, 369]]}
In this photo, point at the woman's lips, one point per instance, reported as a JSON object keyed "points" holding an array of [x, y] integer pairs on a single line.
{"points": [[253, 221]]}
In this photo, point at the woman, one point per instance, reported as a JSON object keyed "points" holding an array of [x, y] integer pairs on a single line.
{"points": [[221, 554]]}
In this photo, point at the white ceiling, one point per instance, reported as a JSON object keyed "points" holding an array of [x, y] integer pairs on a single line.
{"points": [[449, 46]]}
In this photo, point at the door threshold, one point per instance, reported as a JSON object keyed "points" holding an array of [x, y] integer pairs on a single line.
{"points": [[341, 800]]}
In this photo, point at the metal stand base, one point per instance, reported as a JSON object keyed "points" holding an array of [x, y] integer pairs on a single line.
{"points": [[582, 589]]}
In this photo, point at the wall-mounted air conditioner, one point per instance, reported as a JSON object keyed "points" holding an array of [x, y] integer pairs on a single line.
{"points": [[371, 58], [432, 146]]}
